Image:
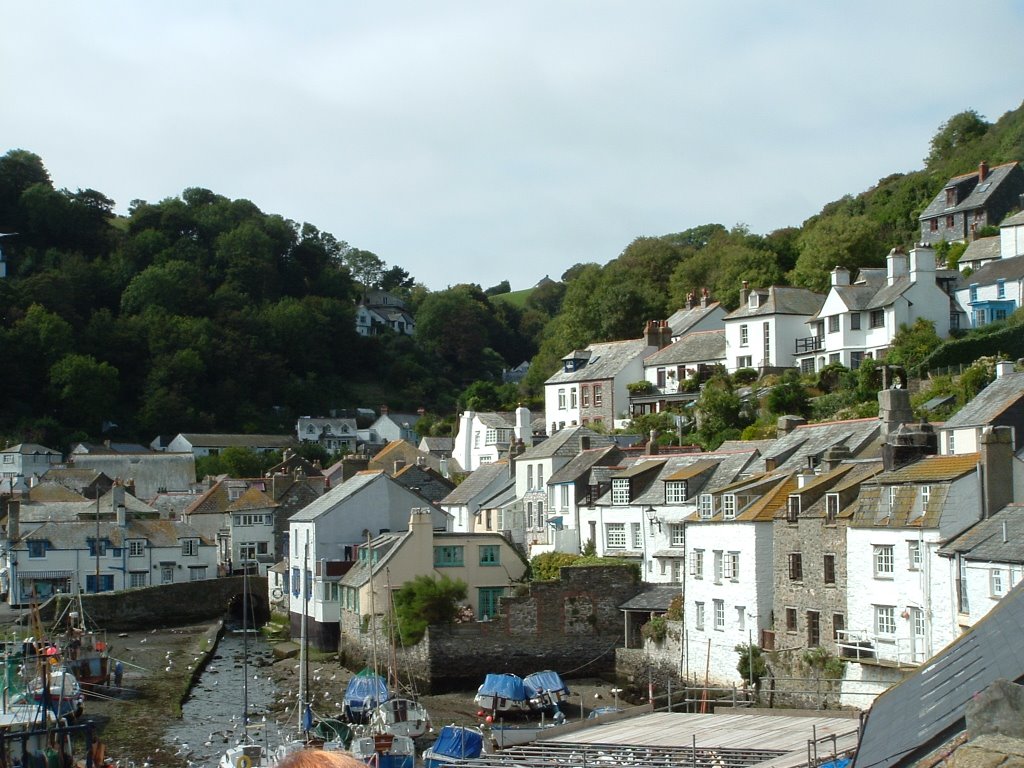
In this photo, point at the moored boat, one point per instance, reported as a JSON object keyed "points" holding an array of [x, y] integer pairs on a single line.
{"points": [[454, 742], [402, 717], [365, 692], [549, 690], [504, 694], [385, 750]]}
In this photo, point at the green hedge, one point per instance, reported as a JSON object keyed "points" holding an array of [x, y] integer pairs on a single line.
{"points": [[1008, 342]]}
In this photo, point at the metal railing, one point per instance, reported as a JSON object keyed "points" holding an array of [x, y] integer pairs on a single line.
{"points": [[810, 344]]}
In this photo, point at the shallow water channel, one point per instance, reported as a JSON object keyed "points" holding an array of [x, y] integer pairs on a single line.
{"points": [[212, 715]]}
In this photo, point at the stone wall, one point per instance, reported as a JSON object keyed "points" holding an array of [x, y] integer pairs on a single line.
{"points": [[572, 626], [170, 605]]}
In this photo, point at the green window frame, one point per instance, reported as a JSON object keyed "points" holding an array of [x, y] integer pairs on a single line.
{"points": [[449, 557], [487, 602], [490, 555]]}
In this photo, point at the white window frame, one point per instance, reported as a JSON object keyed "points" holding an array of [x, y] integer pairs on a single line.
{"points": [[675, 492], [620, 491], [913, 555], [637, 531], [885, 620], [676, 535], [883, 561], [996, 582], [717, 565], [705, 506], [698, 615], [744, 335], [731, 566], [729, 506], [561, 399], [136, 547], [615, 535], [697, 563], [719, 607]]}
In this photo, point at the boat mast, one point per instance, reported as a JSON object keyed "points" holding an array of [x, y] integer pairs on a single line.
{"points": [[373, 608], [245, 645], [303, 640]]}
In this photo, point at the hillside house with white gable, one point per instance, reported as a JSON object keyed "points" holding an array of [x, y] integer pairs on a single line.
{"points": [[1000, 404], [483, 438], [763, 332], [591, 388], [860, 320], [994, 291]]}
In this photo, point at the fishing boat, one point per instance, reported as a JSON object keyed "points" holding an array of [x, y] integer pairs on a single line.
{"points": [[549, 690], [55, 689], [504, 694], [454, 742], [84, 649]]}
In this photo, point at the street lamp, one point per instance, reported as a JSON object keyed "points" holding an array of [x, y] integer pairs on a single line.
{"points": [[652, 518]]}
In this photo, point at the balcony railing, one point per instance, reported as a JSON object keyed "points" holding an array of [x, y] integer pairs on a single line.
{"points": [[809, 344]]}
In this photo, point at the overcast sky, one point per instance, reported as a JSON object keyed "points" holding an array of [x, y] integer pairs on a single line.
{"points": [[484, 141]]}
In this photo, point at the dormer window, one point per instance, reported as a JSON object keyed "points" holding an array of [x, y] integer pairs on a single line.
{"points": [[754, 300], [675, 492], [705, 507], [729, 506], [951, 197], [620, 491]]}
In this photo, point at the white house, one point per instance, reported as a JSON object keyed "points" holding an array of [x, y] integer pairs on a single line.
{"points": [[334, 434], [570, 489], [694, 356], [993, 291], [396, 426], [480, 485], [379, 310], [591, 388], [483, 438], [113, 543], [533, 468], [728, 585], [985, 562], [1000, 404], [24, 461], [324, 540], [902, 605], [763, 332], [860, 320]]}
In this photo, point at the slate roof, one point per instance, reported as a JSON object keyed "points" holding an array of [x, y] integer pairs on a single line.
{"points": [[252, 499], [791, 451], [496, 420], [31, 449], [692, 348], [978, 195], [243, 441], [51, 490], [605, 360], [565, 442], [428, 483], [438, 444], [67, 511], [781, 300], [932, 469], [682, 320], [150, 472], [989, 404], [476, 482], [855, 297], [1000, 269], [339, 493], [1013, 220], [924, 710], [985, 540], [582, 463], [75, 535], [653, 597], [982, 249], [383, 545]]}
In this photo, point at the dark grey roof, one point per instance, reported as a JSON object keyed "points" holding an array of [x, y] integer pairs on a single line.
{"points": [[997, 539], [989, 403], [245, 441], [782, 300], [31, 448], [439, 444], [927, 708], [978, 195], [336, 495], [565, 442], [791, 451], [581, 463], [1000, 269], [605, 361], [653, 597], [888, 293], [150, 472], [383, 545], [497, 420], [476, 482], [982, 249], [692, 348], [684, 319], [856, 297], [1014, 220]]}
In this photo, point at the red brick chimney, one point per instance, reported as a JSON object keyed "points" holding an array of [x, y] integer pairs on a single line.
{"points": [[982, 171]]}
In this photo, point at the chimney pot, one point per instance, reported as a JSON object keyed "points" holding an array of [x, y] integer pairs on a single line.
{"points": [[982, 171]]}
